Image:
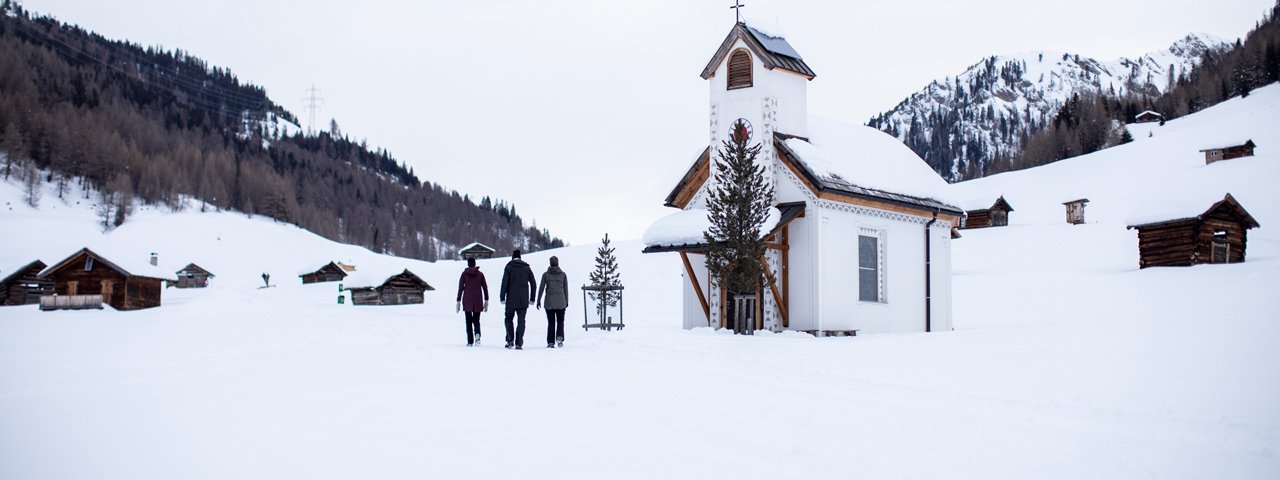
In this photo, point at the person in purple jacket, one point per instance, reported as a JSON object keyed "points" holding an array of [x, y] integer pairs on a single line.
{"points": [[473, 296]]}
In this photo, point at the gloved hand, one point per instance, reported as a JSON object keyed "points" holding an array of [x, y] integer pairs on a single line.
{"points": [[459, 307], [486, 305]]}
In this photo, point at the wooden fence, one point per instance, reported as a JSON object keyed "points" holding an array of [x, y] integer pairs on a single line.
{"points": [[70, 302]]}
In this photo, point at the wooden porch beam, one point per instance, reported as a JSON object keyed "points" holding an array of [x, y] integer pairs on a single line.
{"points": [[702, 298]]}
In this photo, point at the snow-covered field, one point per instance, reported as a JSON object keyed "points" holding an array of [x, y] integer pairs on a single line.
{"points": [[1067, 361]]}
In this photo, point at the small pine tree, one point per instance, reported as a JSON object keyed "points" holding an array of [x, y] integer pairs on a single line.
{"points": [[606, 273], [1125, 137], [737, 209]]}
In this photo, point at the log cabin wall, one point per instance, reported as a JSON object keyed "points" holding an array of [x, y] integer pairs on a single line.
{"points": [[327, 273], [140, 292], [97, 279], [978, 219], [26, 287], [1221, 220], [1170, 245]]}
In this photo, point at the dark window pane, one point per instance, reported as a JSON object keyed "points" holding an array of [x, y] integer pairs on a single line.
{"points": [[868, 288], [867, 251]]}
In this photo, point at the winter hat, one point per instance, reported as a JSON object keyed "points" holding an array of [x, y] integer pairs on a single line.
{"points": [[471, 262], [555, 261], [515, 253]]}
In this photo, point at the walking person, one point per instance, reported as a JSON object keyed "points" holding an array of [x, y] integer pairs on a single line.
{"points": [[473, 297], [518, 288], [556, 286]]}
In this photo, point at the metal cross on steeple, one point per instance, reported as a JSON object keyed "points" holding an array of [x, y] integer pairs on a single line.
{"points": [[737, 6]]}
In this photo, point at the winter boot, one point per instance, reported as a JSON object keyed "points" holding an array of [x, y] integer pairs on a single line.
{"points": [[560, 342]]}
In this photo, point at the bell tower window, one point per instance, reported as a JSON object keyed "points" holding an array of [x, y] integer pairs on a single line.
{"points": [[739, 70]]}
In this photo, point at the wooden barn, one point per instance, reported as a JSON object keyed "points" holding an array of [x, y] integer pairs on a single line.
{"points": [[1218, 235], [997, 215], [478, 251], [403, 288], [1148, 117], [1075, 211], [86, 273], [192, 276], [24, 286], [1228, 152], [331, 272]]}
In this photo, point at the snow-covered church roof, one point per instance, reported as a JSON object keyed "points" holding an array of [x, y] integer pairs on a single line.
{"points": [[771, 48], [685, 228], [863, 161]]}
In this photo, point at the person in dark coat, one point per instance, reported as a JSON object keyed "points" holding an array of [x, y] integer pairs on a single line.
{"points": [[518, 288], [473, 297], [556, 286]]}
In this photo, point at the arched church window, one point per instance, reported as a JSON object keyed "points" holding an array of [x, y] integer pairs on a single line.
{"points": [[739, 70]]}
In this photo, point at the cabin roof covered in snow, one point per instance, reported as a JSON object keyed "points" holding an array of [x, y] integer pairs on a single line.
{"points": [[773, 51], [11, 272], [373, 276], [476, 246], [983, 202], [132, 263], [336, 264], [1225, 144], [1183, 207], [864, 162], [1148, 112]]}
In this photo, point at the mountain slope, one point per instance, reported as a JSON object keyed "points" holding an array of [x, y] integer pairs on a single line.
{"points": [[960, 126], [164, 127]]}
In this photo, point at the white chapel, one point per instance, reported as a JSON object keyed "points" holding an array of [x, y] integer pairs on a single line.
{"points": [[860, 240]]}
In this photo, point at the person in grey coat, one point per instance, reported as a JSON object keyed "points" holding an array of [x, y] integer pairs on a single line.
{"points": [[555, 284], [518, 288]]}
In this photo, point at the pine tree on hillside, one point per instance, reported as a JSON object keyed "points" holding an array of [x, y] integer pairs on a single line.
{"points": [[737, 209], [605, 274]]}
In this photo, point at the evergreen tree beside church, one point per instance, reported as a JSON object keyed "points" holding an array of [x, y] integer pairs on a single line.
{"points": [[737, 208]]}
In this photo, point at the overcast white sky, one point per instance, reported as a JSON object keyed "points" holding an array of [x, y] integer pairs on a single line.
{"points": [[584, 113]]}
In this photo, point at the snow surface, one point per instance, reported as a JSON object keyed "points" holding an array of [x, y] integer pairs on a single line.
{"points": [[687, 226], [1067, 360]]}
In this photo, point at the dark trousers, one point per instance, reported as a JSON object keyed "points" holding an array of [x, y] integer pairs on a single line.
{"points": [[473, 325], [555, 325], [518, 337]]}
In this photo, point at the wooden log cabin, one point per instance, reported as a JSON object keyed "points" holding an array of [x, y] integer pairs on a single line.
{"points": [[1229, 152], [88, 273], [1075, 211], [330, 272], [1218, 235], [1148, 117], [403, 288], [193, 276], [24, 285], [478, 251], [997, 215]]}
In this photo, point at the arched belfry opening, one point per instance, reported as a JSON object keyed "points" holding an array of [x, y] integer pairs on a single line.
{"points": [[739, 69]]}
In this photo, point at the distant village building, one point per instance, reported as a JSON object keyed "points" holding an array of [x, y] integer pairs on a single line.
{"points": [[1228, 152], [23, 285], [478, 251], [192, 276], [1216, 235], [403, 288], [88, 274], [1148, 117], [1075, 211], [330, 272], [856, 240], [997, 215]]}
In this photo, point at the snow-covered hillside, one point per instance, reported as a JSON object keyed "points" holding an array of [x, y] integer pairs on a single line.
{"points": [[987, 110], [1067, 360]]}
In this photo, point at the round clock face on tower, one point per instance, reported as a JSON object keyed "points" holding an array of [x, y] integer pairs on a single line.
{"points": [[740, 130]]}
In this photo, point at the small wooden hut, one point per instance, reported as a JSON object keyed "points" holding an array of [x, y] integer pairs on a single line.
{"points": [[997, 215], [1148, 117], [192, 276], [24, 286], [330, 272], [478, 251], [1075, 211], [86, 273], [1229, 152], [1218, 235], [403, 288]]}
